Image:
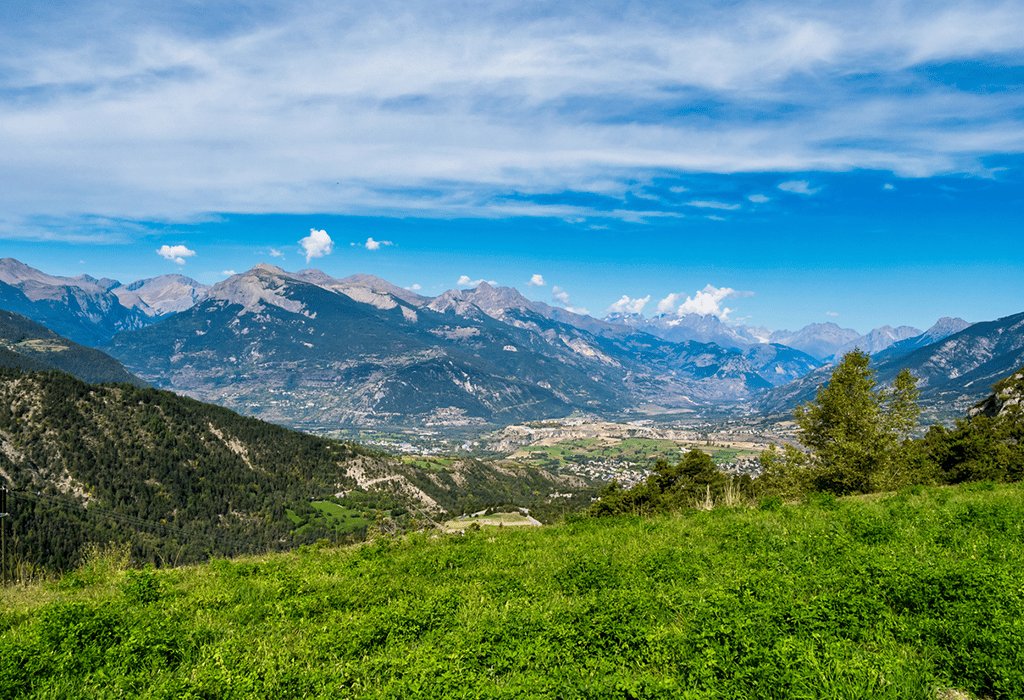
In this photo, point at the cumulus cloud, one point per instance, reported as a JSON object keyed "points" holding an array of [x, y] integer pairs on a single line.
{"points": [[798, 187], [175, 253], [536, 281], [711, 204], [317, 244], [625, 305], [757, 198], [465, 281], [707, 301], [375, 245], [228, 273], [414, 288], [888, 186]]}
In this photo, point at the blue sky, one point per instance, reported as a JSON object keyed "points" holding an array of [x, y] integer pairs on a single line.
{"points": [[775, 163]]}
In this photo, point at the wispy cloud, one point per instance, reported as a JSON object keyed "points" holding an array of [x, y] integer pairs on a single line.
{"points": [[798, 187], [309, 108], [175, 253], [561, 297], [711, 204]]}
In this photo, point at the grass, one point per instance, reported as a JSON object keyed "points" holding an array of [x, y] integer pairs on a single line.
{"points": [[635, 450], [908, 595], [642, 452], [332, 515], [495, 520]]}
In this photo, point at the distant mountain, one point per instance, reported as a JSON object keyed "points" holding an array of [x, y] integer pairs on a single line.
{"points": [[80, 308], [159, 296], [953, 374], [877, 340], [701, 328], [819, 340], [943, 328], [304, 348], [959, 370], [26, 345]]}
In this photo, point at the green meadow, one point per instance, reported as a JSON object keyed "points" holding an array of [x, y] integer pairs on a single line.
{"points": [[907, 595]]}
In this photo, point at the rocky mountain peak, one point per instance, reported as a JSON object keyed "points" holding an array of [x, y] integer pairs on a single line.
{"points": [[159, 296], [262, 285]]}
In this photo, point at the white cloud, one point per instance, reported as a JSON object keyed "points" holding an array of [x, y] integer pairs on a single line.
{"points": [[707, 301], [465, 281], [175, 253], [711, 204], [832, 314], [758, 198], [447, 111], [714, 218], [798, 187], [317, 244], [625, 305], [375, 245], [536, 281], [678, 189], [888, 186], [561, 296], [228, 273], [414, 288], [276, 253]]}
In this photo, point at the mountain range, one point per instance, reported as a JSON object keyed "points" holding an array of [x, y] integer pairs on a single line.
{"points": [[953, 373], [306, 349], [303, 348]]}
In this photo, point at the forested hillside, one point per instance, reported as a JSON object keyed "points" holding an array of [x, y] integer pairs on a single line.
{"points": [[180, 480], [24, 344]]}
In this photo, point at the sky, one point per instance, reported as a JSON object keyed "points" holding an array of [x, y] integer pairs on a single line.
{"points": [[773, 163]]}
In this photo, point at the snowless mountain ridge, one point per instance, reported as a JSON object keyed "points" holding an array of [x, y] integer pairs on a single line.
{"points": [[147, 300]]}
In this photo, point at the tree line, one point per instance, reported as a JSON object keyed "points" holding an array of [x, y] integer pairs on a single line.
{"points": [[856, 438]]}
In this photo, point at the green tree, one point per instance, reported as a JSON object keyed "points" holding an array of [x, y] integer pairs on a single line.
{"points": [[857, 438]]}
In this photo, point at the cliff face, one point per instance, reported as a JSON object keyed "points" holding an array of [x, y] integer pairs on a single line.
{"points": [[1006, 398]]}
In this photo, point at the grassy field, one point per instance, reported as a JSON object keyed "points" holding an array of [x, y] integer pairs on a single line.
{"points": [[336, 517], [640, 451], [907, 595], [502, 519]]}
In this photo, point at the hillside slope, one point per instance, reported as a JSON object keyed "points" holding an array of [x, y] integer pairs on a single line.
{"points": [[27, 345], [179, 479], [907, 597]]}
